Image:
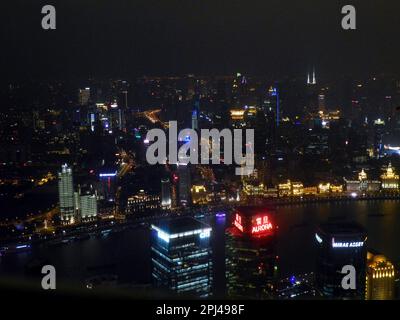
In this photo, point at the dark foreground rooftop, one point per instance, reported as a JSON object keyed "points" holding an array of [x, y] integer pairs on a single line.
{"points": [[179, 225]]}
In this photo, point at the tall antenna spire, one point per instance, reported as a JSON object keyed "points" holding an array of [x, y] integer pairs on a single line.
{"points": [[314, 80]]}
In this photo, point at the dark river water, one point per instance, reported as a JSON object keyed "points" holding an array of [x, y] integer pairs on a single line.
{"points": [[127, 253]]}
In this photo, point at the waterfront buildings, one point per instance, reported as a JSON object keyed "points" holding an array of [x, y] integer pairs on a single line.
{"points": [[142, 201], [199, 194], [362, 184], [390, 180]]}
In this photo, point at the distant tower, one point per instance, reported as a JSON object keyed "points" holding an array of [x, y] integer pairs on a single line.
{"points": [[195, 120], [314, 79], [166, 200], [125, 92], [273, 92], [196, 112], [66, 193], [184, 184], [84, 96]]}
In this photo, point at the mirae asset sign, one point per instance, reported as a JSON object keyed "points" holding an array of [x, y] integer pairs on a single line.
{"points": [[208, 146]]}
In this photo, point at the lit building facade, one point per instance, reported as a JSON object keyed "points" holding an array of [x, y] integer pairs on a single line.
{"points": [[297, 189], [380, 282], [339, 245], [285, 189], [184, 184], [199, 194], [166, 200], [290, 188], [88, 207], [182, 257], [390, 180], [66, 194], [362, 185], [84, 96], [324, 188], [142, 202], [108, 185], [251, 259]]}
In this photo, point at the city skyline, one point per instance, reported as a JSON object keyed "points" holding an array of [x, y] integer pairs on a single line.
{"points": [[201, 150]]}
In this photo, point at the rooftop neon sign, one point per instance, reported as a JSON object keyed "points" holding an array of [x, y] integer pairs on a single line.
{"points": [[256, 225], [354, 244], [113, 174], [261, 224], [203, 233]]}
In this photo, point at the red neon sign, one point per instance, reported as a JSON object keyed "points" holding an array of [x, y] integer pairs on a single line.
{"points": [[261, 224], [238, 222]]}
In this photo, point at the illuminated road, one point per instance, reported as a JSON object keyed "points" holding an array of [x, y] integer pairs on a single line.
{"points": [[152, 116]]}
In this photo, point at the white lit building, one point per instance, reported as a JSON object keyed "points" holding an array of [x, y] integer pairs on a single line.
{"points": [[66, 194], [166, 200], [88, 206]]}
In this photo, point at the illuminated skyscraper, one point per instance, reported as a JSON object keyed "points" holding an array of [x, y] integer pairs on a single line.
{"points": [[380, 278], [184, 184], [195, 120], [108, 182], [196, 112], [84, 96], [66, 193], [340, 245], [312, 81], [166, 194], [88, 206], [251, 259], [182, 257]]}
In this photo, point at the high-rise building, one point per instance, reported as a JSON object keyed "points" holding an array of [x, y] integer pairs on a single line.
{"points": [[84, 96], [166, 200], [117, 117], [195, 120], [196, 112], [312, 81], [184, 184], [66, 194], [251, 257], [88, 206], [380, 283], [340, 245], [108, 185], [321, 102], [182, 257]]}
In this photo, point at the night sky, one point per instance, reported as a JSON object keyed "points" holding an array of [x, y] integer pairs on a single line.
{"points": [[129, 38]]}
